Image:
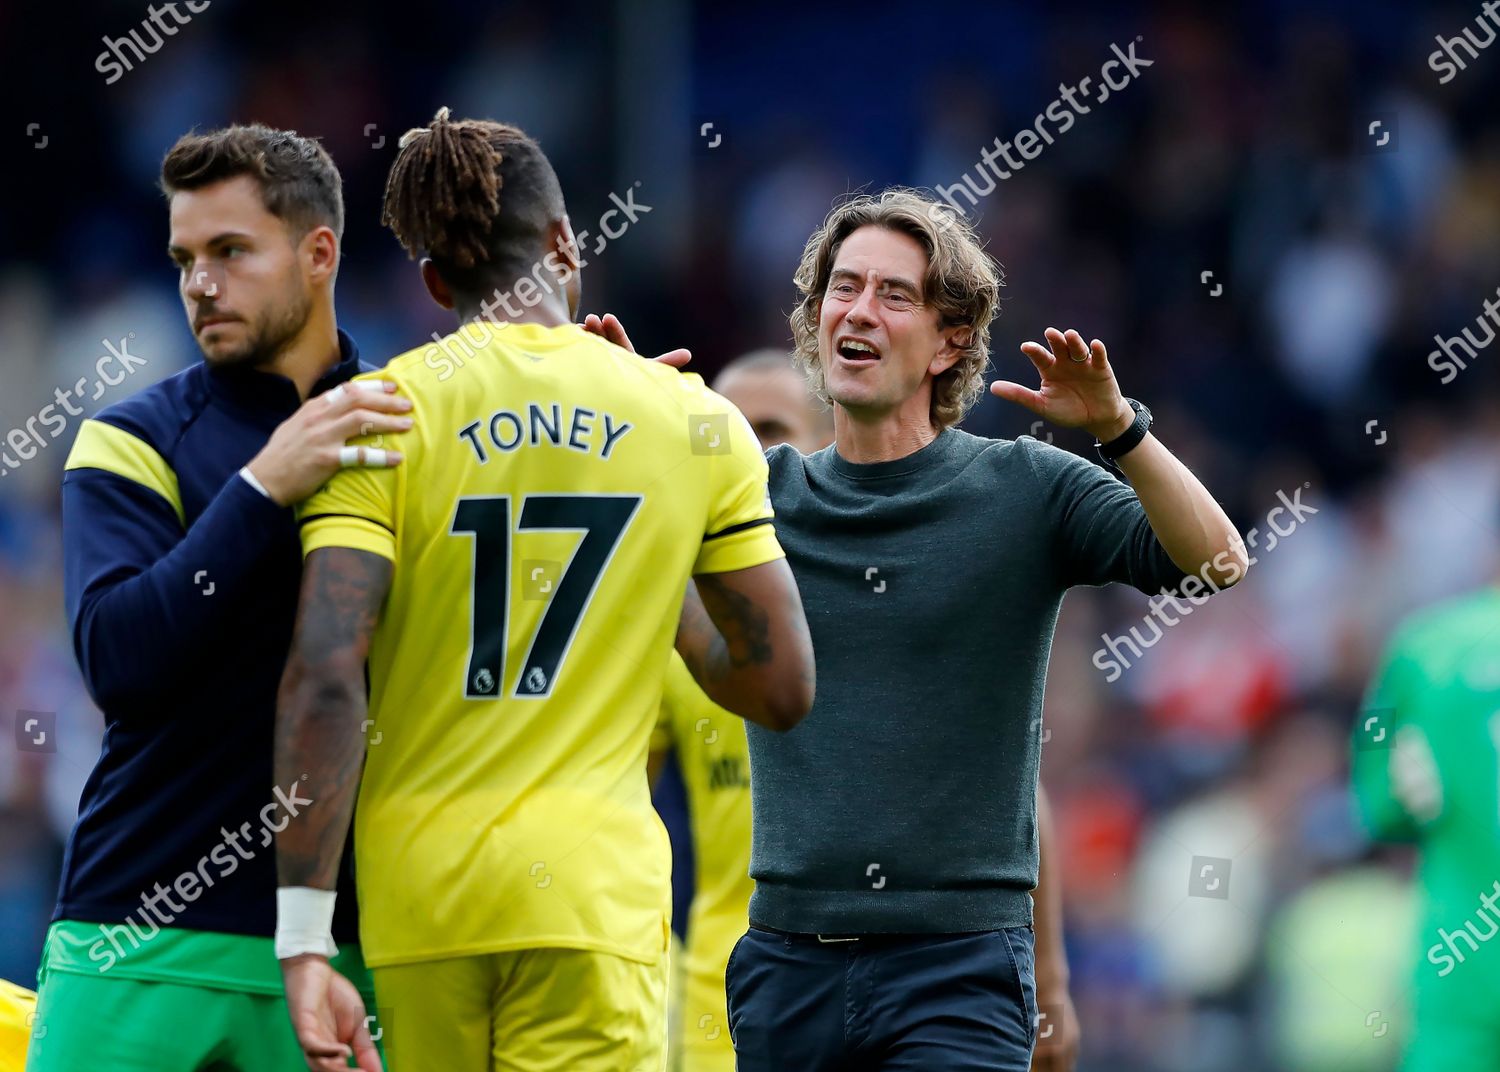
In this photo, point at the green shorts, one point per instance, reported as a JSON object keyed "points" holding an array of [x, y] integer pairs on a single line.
{"points": [[180, 1001], [1440, 1044]]}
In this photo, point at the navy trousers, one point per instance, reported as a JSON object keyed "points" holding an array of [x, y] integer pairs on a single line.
{"points": [[883, 1003]]}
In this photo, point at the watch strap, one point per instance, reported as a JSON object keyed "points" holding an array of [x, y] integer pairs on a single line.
{"points": [[1127, 440]]}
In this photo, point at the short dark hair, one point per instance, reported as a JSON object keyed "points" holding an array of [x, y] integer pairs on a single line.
{"points": [[298, 180], [443, 200]]}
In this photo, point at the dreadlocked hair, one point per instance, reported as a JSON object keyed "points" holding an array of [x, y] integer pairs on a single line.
{"points": [[443, 198]]}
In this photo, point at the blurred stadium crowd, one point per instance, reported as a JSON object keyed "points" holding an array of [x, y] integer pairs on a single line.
{"points": [[1246, 149]]}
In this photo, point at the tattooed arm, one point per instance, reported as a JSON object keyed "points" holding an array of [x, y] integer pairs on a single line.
{"points": [[744, 637], [319, 713], [321, 708]]}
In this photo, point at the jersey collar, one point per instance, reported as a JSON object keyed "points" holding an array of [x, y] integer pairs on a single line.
{"points": [[274, 393]]}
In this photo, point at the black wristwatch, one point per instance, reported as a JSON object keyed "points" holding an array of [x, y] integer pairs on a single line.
{"points": [[1127, 440]]}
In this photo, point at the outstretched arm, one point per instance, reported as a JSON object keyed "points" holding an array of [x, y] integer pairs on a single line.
{"points": [[1078, 390]]}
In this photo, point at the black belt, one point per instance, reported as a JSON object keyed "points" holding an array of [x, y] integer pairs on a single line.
{"points": [[828, 939]]}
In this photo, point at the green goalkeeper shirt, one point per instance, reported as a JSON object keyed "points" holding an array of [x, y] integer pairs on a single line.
{"points": [[1427, 769]]}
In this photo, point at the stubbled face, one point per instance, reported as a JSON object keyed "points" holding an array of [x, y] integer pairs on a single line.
{"points": [[244, 281], [776, 403], [878, 343]]}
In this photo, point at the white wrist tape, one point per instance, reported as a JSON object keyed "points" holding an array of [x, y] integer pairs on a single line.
{"points": [[256, 484], [304, 922]]}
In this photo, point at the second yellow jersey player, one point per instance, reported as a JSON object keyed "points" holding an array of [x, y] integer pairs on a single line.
{"points": [[714, 756], [557, 493], [17, 1013]]}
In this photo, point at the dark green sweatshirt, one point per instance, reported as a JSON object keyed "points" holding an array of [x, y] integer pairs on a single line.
{"points": [[906, 800]]}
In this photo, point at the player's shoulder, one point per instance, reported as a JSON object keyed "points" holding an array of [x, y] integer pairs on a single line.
{"points": [[683, 396], [786, 461], [159, 414], [677, 388], [1042, 455], [438, 359], [402, 365], [1055, 471], [426, 375], [966, 447], [1444, 625], [791, 474]]}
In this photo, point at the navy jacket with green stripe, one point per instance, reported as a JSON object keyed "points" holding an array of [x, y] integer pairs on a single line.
{"points": [[181, 584]]}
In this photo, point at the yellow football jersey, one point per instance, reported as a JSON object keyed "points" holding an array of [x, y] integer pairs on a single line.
{"points": [[556, 494], [17, 1010], [714, 755]]}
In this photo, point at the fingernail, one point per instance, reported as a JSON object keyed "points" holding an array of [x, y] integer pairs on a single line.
{"points": [[403, 404], [405, 422]]}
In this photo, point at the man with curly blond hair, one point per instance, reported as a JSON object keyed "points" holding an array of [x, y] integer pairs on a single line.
{"points": [[895, 830]]}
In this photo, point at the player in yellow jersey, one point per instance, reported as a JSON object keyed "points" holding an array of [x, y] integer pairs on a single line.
{"points": [[516, 591], [17, 1013]]}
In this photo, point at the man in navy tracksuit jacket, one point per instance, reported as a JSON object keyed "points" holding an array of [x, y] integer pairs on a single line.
{"points": [[182, 568]]}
